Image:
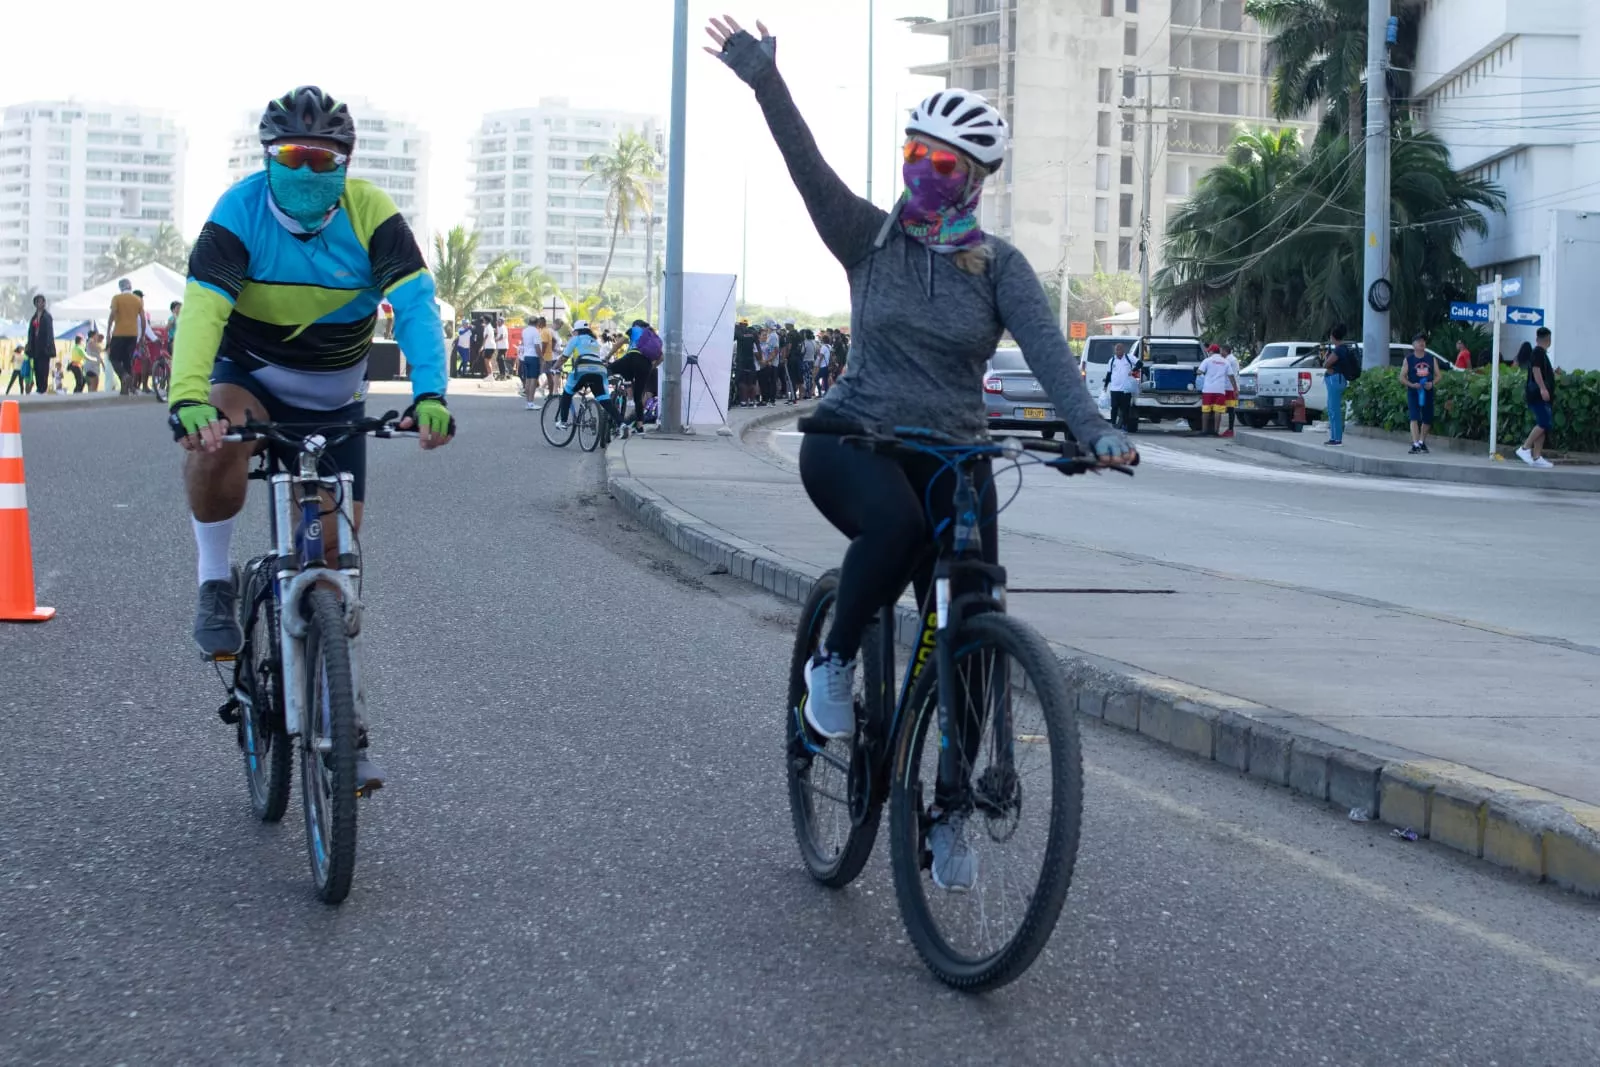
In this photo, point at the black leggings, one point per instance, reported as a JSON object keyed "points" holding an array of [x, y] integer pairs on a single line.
{"points": [[635, 368], [878, 502]]}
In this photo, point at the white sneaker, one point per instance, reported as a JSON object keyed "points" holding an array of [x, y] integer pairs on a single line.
{"points": [[531, 406], [1542, 462], [830, 696], [1526, 457], [955, 865]]}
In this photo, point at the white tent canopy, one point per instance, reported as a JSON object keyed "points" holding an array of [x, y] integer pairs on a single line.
{"points": [[160, 285]]}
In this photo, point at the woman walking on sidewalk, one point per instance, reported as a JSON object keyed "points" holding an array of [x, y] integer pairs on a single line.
{"points": [[930, 296]]}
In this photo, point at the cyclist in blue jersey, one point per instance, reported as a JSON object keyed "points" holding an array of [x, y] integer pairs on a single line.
{"points": [[588, 362], [285, 281]]}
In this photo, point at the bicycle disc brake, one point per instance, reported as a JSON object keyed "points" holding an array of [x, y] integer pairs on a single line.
{"points": [[997, 795]]}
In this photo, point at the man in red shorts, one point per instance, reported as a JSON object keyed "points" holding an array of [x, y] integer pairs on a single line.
{"points": [[1213, 379]]}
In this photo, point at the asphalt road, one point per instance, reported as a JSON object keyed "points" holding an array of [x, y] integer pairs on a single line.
{"points": [[584, 854]]}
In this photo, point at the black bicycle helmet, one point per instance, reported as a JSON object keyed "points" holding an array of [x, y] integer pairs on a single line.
{"points": [[308, 112]]}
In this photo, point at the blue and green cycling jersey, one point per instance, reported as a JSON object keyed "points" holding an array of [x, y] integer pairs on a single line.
{"points": [[297, 310], [584, 351]]}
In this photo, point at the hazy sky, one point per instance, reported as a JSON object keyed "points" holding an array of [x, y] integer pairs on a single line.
{"points": [[446, 64]]}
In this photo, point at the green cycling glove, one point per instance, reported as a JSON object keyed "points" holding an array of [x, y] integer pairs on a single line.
{"points": [[430, 414], [189, 417]]}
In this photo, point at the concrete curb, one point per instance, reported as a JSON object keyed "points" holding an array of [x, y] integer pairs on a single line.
{"points": [[1533, 832], [1513, 474], [34, 405]]}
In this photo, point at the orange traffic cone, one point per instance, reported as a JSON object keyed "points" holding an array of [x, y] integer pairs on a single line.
{"points": [[16, 550]]}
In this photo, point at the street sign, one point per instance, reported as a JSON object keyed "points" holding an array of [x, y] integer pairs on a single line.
{"points": [[1078, 330], [1508, 287], [1525, 316], [1469, 312]]}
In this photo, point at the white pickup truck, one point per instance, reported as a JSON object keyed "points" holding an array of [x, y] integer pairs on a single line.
{"points": [[1287, 369]]}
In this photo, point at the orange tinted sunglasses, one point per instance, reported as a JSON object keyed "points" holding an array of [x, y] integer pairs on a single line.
{"points": [[944, 161], [295, 156]]}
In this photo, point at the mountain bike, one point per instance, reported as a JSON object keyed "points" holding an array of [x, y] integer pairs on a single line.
{"points": [[984, 727], [297, 680], [590, 421]]}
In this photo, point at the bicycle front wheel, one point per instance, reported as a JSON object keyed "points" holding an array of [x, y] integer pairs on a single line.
{"points": [[588, 421], [834, 844], [1012, 779], [328, 749], [160, 377], [547, 422], [265, 747]]}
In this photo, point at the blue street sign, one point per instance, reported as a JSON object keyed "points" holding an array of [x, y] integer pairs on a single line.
{"points": [[1469, 312], [1510, 287], [1525, 316]]}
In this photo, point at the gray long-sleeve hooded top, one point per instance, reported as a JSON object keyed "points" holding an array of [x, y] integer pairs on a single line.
{"points": [[922, 329]]}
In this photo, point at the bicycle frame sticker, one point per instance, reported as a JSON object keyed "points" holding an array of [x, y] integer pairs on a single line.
{"points": [[926, 646]]}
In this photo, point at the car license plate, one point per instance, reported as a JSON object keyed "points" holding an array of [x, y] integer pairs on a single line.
{"points": [[1035, 413]]}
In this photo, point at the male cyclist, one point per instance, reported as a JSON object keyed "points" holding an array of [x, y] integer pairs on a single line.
{"points": [[285, 280], [588, 362]]}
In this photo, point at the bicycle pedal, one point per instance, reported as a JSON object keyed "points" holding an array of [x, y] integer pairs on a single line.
{"points": [[220, 657], [229, 712]]}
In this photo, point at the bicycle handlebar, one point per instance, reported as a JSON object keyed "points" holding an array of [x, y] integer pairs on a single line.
{"points": [[920, 441], [295, 435]]}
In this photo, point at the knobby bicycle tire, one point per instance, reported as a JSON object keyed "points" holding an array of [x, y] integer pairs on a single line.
{"points": [[266, 750], [160, 379], [590, 421], [547, 422], [1001, 633], [841, 867], [330, 710]]}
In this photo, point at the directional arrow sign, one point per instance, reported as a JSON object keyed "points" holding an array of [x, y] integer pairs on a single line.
{"points": [[1469, 312], [1525, 316], [1510, 287]]}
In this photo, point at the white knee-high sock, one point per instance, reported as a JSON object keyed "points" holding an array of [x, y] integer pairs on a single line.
{"points": [[212, 540]]}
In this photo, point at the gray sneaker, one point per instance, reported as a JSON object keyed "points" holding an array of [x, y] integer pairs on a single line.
{"points": [[830, 696], [216, 619], [369, 773], [955, 866]]}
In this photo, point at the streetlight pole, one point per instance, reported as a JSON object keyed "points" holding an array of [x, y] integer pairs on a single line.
{"points": [[1375, 266], [672, 309], [872, 10]]}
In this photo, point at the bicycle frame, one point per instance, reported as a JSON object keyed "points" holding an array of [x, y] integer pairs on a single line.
{"points": [[301, 564]]}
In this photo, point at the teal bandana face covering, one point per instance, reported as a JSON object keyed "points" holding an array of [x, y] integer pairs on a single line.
{"points": [[304, 195]]}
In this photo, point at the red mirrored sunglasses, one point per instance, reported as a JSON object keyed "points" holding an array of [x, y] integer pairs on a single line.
{"points": [[944, 161], [320, 160]]}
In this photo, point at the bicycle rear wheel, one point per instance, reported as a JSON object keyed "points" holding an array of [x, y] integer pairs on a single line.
{"points": [[588, 421], [160, 377], [264, 745], [328, 749], [1020, 791], [547, 422], [833, 844]]}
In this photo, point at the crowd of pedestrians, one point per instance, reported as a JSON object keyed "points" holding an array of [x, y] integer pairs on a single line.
{"points": [[773, 362]]}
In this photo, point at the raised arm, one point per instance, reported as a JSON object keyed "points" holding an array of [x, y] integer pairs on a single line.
{"points": [[847, 223]]}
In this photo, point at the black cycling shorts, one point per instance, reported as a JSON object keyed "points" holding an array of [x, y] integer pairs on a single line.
{"points": [[349, 456]]}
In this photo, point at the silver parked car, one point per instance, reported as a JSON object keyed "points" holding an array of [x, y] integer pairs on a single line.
{"points": [[1013, 397]]}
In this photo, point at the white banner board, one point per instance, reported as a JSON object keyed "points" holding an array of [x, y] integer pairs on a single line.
{"points": [[709, 308]]}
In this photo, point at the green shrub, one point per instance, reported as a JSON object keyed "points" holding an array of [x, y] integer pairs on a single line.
{"points": [[1461, 406]]}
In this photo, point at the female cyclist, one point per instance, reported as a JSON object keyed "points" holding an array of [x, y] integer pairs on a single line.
{"points": [[930, 296]]}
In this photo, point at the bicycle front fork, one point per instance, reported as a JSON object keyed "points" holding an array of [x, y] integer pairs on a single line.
{"points": [[985, 691]]}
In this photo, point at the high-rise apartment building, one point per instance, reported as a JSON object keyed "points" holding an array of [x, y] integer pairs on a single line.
{"points": [[1512, 87], [1073, 77], [75, 176], [391, 153], [529, 199]]}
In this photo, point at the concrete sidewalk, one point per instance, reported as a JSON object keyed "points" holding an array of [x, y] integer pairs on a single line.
{"points": [[1242, 672], [1387, 458]]}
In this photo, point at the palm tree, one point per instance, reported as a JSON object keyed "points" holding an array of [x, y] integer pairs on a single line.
{"points": [[14, 304], [626, 171], [128, 253], [1270, 247], [457, 278], [521, 289], [169, 248], [1318, 55]]}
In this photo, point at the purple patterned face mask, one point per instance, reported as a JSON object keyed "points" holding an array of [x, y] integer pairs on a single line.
{"points": [[940, 210]]}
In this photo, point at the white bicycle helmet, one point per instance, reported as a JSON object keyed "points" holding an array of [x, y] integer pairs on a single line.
{"points": [[581, 324], [965, 120]]}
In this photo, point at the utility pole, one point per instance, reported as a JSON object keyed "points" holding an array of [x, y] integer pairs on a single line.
{"points": [[872, 11], [1144, 215], [650, 266], [672, 310], [1375, 263]]}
